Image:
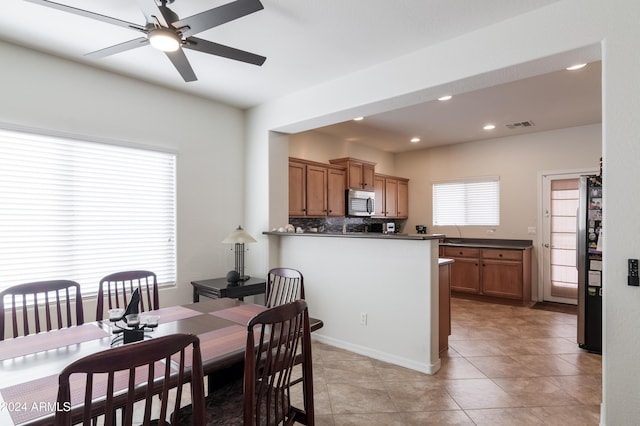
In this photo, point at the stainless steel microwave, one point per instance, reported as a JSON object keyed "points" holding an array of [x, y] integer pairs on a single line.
{"points": [[360, 202]]}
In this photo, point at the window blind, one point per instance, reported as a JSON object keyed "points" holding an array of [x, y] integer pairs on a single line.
{"points": [[469, 202], [79, 210]]}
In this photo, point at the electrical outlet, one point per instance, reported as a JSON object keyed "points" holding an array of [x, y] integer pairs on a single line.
{"points": [[363, 318]]}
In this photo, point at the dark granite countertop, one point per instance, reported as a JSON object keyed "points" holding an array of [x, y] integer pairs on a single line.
{"points": [[487, 243], [359, 235]]}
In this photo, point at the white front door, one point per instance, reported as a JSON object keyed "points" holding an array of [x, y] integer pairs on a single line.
{"points": [[559, 208]]}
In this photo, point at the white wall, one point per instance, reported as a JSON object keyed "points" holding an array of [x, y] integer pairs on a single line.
{"points": [[393, 281], [554, 36], [320, 147], [516, 160], [43, 92]]}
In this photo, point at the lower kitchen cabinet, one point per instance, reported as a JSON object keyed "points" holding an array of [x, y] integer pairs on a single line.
{"points": [[496, 273]]}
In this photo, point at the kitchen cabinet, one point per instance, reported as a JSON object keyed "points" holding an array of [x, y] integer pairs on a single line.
{"points": [[502, 273], [444, 305], [491, 272], [394, 194], [465, 271], [316, 189], [297, 189], [359, 172]]}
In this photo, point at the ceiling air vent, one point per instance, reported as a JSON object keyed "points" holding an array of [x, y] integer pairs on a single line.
{"points": [[519, 125]]}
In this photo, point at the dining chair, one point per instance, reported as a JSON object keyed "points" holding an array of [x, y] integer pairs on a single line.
{"points": [[112, 380], [59, 300], [117, 289], [284, 285], [262, 395]]}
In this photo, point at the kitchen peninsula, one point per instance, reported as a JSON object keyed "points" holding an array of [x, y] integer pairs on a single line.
{"points": [[377, 294]]}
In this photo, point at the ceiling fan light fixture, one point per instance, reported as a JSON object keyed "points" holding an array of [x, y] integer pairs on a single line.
{"points": [[164, 40]]}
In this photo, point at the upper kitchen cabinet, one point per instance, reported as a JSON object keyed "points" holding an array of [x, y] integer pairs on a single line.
{"points": [[359, 172], [297, 188], [393, 193], [315, 189]]}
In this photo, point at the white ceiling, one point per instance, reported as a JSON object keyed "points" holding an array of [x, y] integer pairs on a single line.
{"points": [[310, 42], [550, 101]]}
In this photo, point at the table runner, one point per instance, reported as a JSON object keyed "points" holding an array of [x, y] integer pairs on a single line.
{"points": [[37, 398], [239, 314], [54, 339], [172, 313], [215, 343]]}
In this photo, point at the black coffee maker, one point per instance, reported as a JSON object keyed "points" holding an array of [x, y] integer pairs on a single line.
{"points": [[421, 229]]}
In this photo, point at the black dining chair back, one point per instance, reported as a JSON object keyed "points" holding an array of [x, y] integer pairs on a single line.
{"points": [[262, 396], [284, 285], [110, 382], [117, 288], [41, 306]]}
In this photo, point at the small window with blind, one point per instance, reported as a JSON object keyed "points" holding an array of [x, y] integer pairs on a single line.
{"points": [[80, 210], [471, 202]]}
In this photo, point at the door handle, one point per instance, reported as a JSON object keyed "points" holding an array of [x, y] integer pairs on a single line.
{"points": [[546, 245]]}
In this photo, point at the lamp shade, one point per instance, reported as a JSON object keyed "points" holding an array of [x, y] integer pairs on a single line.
{"points": [[239, 235]]}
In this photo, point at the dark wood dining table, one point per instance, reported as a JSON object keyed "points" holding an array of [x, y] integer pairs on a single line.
{"points": [[29, 365]]}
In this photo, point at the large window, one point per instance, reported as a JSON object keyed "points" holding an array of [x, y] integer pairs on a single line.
{"points": [[79, 210], [468, 202]]}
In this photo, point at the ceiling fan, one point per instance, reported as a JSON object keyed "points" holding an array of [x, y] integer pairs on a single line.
{"points": [[165, 31]]}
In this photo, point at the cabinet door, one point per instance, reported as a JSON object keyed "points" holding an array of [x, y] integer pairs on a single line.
{"points": [[391, 197], [465, 275], [336, 185], [316, 191], [297, 189], [502, 278], [403, 198], [368, 172], [378, 187], [355, 175], [444, 305]]}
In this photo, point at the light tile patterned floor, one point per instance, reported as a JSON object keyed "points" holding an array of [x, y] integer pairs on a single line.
{"points": [[506, 366]]}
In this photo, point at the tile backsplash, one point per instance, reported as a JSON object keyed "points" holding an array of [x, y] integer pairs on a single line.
{"points": [[334, 224]]}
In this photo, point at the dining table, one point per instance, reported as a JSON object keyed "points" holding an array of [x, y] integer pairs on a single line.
{"points": [[30, 365]]}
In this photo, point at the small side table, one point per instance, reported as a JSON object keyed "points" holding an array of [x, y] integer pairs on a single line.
{"points": [[219, 287]]}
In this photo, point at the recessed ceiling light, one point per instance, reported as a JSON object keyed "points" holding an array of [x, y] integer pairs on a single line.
{"points": [[415, 140], [445, 98], [576, 67], [358, 119], [489, 126]]}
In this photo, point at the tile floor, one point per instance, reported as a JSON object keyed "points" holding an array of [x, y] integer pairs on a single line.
{"points": [[505, 365]]}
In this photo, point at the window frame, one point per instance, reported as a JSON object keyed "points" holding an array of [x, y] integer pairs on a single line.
{"points": [[459, 193], [158, 160]]}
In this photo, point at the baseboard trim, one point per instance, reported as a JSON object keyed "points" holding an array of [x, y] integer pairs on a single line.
{"points": [[379, 355]]}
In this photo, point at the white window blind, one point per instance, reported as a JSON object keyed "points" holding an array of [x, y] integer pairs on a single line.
{"points": [[469, 202], [80, 210]]}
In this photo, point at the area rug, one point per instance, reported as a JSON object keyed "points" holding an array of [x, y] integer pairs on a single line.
{"points": [[556, 307]]}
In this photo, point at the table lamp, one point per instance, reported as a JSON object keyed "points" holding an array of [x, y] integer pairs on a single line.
{"points": [[239, 237]]}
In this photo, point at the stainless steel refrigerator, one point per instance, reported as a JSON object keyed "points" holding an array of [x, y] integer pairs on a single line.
{"points": [[589, 263]]}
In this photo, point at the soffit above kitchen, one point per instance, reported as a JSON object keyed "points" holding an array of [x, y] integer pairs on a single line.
{"points": [[306, 43], [551, 101]]}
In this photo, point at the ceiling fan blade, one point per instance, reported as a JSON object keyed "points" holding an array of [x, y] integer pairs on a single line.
{"points": [[217, 16], [117, 48], [180, 61], [212, 48], [151, 10], [88, 14]]}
